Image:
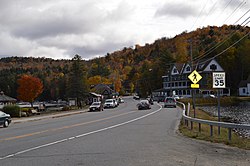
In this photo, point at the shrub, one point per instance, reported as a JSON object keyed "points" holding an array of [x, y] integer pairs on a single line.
{"points": [[13, 110], [26, 111], [66, 108]]}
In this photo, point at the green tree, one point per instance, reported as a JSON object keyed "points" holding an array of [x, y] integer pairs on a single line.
{"points": [[77, 82]]}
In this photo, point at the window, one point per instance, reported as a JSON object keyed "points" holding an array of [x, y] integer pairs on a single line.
{"points": [[175, 70], [244, 90]]}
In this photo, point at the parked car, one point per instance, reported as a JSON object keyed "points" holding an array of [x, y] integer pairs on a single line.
{"points": [[143, 104], [170, 102], [109, 103], [5, 119], [121, 100], [96, 106], [151, 101], [136, 97]]}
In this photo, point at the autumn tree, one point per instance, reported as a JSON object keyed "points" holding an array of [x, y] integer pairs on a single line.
{"points": [[29, 88]]}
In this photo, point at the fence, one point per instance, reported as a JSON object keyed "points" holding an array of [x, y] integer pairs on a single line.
{"points": [[229, 126]]}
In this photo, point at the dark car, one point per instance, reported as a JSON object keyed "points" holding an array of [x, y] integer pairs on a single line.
{"points": [[144, 104], [5, 119], [96, 106]]}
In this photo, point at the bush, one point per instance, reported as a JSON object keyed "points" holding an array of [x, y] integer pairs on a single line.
{"points": [[13, 110], [26, 111], [66, 108]]}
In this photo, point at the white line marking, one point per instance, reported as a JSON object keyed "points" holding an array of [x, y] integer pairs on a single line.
{"points": [[79, 136]]}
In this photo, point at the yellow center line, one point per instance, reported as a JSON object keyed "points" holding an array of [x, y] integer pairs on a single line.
{"points": [[61, 128]]}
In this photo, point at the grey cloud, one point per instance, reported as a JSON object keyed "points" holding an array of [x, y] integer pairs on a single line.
{"points": [[235, 3], [179, 10]]}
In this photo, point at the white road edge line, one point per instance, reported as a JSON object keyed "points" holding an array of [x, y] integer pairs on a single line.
{"points": [[79, 136]]}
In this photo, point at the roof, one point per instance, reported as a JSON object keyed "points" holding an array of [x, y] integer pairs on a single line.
{"points": [[5, 98], [95, 94], [243, 83], [100, 88]]}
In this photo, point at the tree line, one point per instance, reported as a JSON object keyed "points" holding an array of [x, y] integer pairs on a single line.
{"points": [[132, 69]]}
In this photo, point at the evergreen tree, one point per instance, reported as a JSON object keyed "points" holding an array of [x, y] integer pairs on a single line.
{"points": [[77, 82]]}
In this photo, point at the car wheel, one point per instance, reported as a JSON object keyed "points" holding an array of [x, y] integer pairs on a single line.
{"points": [[6, 123]]}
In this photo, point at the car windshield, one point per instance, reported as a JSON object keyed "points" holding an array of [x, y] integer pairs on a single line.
{"points": [[170, 100], [2, 113], [96, 104], [109, 101]]}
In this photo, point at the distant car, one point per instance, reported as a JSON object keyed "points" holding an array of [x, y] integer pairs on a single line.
{"points": [[109, 103], [170, 102], [5, 119], [121, 100], [136, 97], [143, 104], [151, 101], [96, 106]]}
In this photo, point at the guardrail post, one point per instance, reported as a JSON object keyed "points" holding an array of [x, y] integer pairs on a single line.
{"points": [[211, 130], [199, 127], [191, 125], [229, 134]]}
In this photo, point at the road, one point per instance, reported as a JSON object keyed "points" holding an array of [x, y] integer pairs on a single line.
{"points": [[122, 136]]}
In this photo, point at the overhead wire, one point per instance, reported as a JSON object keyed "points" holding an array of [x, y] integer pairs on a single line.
{"points": [[203, 8], [227, 48], [239, 6], [219, 44]]}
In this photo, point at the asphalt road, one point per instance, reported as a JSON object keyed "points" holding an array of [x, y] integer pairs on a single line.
{"points": [[122, 136]]}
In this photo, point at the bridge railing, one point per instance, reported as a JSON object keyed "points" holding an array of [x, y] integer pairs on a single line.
{"points": [[230, 126]]}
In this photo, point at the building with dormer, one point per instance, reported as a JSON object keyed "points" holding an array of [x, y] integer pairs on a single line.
{"points": [[176, 81]]}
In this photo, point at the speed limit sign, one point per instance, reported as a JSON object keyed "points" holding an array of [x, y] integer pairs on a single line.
{"points": [[219, 80]]}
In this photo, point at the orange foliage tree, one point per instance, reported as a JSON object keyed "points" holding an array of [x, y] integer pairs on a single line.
{"points": [[29, 88]]}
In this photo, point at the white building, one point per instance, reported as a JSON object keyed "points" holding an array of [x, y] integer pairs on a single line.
{"points": [[176, 81], [244, 87]]}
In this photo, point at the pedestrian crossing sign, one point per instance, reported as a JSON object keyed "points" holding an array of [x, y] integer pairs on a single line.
{"points": [[195, 77]]}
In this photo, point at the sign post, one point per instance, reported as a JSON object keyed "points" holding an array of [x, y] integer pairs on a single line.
{"points": [[219, 82], [195, 77]]}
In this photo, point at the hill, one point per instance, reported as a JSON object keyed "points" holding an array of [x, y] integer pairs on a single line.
{"points": [[138, 67]]}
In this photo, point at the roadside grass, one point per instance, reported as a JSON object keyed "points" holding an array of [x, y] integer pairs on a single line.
{"points": [[236, 141]]}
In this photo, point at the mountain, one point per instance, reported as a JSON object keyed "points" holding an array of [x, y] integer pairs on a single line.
{"points": [[140, 67]]}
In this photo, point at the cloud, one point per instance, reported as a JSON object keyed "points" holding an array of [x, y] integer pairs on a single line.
{"points": [[176, 9]]}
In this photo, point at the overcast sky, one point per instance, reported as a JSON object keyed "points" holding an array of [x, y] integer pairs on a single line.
{"points": [[60, 29]]}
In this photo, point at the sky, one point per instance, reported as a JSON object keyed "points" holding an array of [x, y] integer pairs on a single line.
{"points": [[59, 29]]}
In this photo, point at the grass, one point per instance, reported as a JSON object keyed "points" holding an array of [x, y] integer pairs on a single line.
{"points": [[236, 141]]}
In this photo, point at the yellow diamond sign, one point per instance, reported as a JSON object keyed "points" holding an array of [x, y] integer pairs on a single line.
{"points": [[195, 77]]}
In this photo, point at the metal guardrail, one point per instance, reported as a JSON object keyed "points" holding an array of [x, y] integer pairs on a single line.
{"points": [[227, 125]]}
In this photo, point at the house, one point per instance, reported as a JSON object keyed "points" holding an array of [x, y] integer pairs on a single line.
{"points": [[105, 90], [6, 100], [244, 87], [94, 97], [176, 81]]}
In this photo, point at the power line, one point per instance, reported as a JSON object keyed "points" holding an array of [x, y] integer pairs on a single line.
{"points": [[218, 44], [242, 16], [238, 7], [200, 14], [227, 48]]}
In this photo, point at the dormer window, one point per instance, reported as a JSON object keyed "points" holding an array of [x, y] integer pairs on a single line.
{"points": [[188, 68], [175, 70]]}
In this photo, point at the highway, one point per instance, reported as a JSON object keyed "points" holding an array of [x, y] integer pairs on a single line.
{"points": [[123, 136]]}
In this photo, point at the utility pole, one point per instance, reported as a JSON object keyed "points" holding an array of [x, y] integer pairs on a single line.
{"points": [[193, 90]]}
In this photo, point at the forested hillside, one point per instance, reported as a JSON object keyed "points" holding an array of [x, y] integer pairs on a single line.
{"points": [[140, 66]]}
